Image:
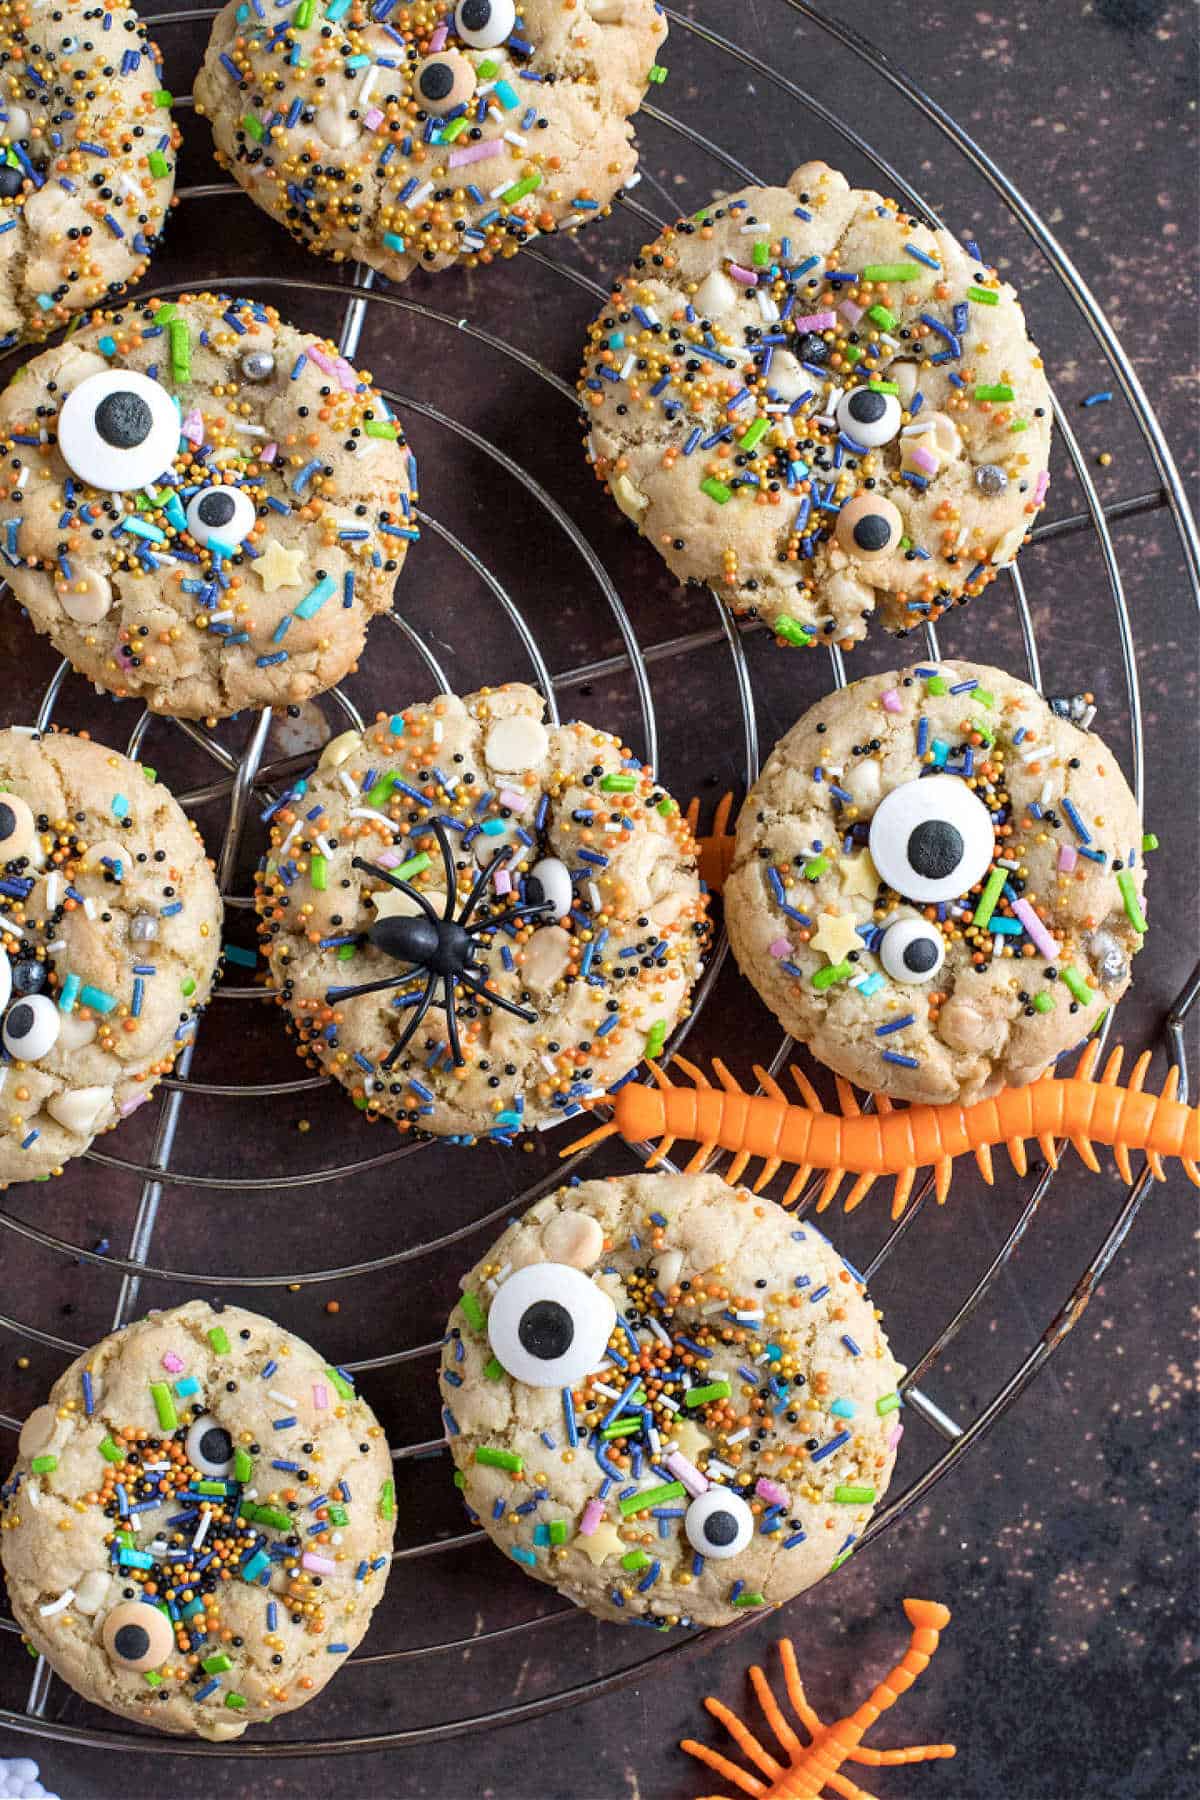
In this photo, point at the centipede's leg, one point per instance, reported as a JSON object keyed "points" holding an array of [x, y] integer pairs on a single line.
{"points": [[1087, 1061], [808, 1717], [944, 1174], [1016, 1155], [902, 1190], [745, 1739], [1190, 1170], [878, 1759], [737, 1166], [1087, 1154], [842, 1784], [1048, 1148], [698, 1160], [661, 1149], [768, 1083], [1137, 1075], [797, 1185], [699, 1078], [721, 1765], [983, 1158], [833, 1182], [809, 1092], [726, 1079], [1121, 1158], [1112, 1067], [847, 1098], [859, 1192], [771, 1712], [767, 1173]]}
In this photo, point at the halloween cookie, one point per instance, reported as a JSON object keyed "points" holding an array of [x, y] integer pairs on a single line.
{"points": [[110, 930], [668, 1399], [201, 505], [818, 406], [937, 882], [87, 159], [536, 873], [199, 1523], [435, 135]]}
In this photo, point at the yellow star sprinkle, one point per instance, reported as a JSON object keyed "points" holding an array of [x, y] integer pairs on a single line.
{"points": [[835, 936], [604, 1542], [858, 875], [279, 567]]}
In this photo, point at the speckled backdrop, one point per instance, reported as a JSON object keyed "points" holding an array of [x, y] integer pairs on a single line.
{"points": [[1065, 1542]]}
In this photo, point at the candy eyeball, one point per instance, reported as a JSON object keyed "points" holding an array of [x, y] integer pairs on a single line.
{"points": [[484, 23], [209, 1447], [719, 1523], [31, 1028], [118, 430], [225, 514], [931, 839], [868, 526], [137, 1637], [11, 181], [912, 950], [549, 1325], [550, 880], [869, 417], [443, 82], [17, 829]]}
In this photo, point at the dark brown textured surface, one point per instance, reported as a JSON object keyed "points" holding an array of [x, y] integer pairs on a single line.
{"points": [[1065, 1543]]}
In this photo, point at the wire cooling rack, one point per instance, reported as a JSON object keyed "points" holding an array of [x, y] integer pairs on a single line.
{"points": [[263, 1185]]}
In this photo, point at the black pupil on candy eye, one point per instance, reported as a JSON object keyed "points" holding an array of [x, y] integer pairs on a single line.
{"points": [[216, 1446], [10, 181], [216, 509], [720, 1528], [935, 849], [475, 14], [872, 532], [437, 80], [20, 1021], [123, 419], [546, 1330], [867, 406], [920, 955], [131, 1642], [8, 823]]}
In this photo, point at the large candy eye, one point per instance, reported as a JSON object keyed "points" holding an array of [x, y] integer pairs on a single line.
{"points": [[118, 430], [869, 526], [31, 1028], [550, 880], [869, 417], [912, 950], [931, 839], [484, 23], [17, 829], [444, 82], [209, 1447], [719, 1523], [223, 513], [549, 1325], [136, 1636]]}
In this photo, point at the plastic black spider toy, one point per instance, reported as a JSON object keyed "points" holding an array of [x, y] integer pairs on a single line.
{"points": [[444, 947]]}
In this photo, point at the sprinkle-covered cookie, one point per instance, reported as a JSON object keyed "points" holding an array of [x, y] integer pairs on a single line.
{"points": [[937, 882], [429, 135], [668, 1399], [202, 506], [87, 159], [110, 930], [537, 873], [818, 405], [199, 1523]]}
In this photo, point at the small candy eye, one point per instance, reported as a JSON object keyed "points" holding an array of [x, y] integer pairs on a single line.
{"points": [[136, 1636], [31, 1028], [11, 181], [17, 830], [549, 1325], [222, 513], [869, 417], [912, 950], [869, 526], [118, 430], [550, 880], [931, 839], [719, 1523], [209, 1447], [484, 23], [444, 82]]}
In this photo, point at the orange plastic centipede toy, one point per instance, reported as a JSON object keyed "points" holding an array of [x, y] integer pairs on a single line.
{"points": [[816, 1766], [899, 1141]]}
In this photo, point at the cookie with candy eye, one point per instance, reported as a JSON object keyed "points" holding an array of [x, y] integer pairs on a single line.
{"points": [[820, 407], [222, 507], [613, 1438], [75, 118], [477, 920], [110, 927], [492, 123], [217, 1398], [937, 882]]}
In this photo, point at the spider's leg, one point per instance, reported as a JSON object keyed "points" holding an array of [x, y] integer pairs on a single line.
{"points": [[418, 1014], [334, 994], [405, 887], [485, 993], [439, 832], [485, 875], [515, 912], [451, 1021]]}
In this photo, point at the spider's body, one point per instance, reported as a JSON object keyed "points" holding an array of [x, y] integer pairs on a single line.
{"points": [[442, 948]]}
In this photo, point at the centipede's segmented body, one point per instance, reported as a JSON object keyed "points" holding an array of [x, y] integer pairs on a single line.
{"points": [[900, 1141], [813, 1767]]}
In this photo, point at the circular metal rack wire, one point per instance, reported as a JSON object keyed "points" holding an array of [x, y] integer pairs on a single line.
{"points": [[442, 1573]]}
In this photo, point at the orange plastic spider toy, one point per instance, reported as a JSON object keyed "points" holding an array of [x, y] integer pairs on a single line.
{"points": [[816, 1766], [898, 1141]]}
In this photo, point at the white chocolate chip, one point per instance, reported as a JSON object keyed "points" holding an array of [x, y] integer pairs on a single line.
{"points": [[339, 749], [546, 957], [390, 903], [518, 743], [77, 1110], [91, 1592], [37, 1430], [88, 598], [574, 1238], [716, 294]]}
